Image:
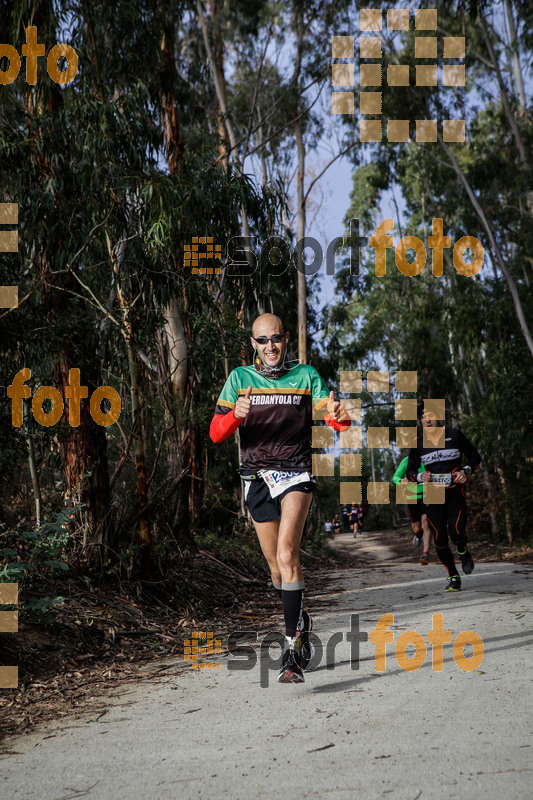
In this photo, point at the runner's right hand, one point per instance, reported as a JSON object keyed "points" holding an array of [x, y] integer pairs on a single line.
{"points": [[243, 405], [425, 477]]}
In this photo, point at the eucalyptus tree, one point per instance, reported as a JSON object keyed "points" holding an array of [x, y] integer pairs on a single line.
{"points": [[464, 335]]}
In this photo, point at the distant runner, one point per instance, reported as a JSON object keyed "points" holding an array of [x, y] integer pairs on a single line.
{"points": [[346, 511], [416, 511], [271, 404], [359, 516], [443, 465]]}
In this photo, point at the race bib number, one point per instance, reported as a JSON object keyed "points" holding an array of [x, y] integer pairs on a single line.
{"points": [[279, 481], [444, 478]]}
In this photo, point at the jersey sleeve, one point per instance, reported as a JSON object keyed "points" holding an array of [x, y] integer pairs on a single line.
{"points": [[222, 426], [413, 464], [320, 396], [473, 458], [229, 394], [224, 422], [399, 475]]}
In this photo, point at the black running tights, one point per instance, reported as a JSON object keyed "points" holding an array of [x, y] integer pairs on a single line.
{"points": [[449, 518]]}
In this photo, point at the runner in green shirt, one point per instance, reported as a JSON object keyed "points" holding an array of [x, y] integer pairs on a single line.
{"points": [[416, 512], [271, 405]]}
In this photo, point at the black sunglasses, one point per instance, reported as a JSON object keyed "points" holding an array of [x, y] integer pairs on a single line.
{"points": [[277, 338]]}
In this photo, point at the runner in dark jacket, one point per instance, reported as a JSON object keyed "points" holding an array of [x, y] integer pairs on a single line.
{"points": [[443, 456]]}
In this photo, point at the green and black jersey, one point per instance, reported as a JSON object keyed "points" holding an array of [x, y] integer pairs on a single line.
{"points": [[276, 434]]}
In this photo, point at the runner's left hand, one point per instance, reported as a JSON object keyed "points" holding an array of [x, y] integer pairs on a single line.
{"points": [[334, 407], [459, 476]]}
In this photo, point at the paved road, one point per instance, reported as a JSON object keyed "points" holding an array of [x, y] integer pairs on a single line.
{"points": [[345, 733]]}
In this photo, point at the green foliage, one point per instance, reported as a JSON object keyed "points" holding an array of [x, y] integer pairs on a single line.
{"points": [[461, 335], [34, 556]]}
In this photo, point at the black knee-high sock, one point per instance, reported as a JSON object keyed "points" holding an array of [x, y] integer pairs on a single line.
{"points": [[292, 597], [277, 589]]}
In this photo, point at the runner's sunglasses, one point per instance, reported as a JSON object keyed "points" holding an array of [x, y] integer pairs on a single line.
{"points": [[277, 338]]}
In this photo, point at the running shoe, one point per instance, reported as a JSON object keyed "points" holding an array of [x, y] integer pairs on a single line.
{"points": [[291, 667], [424, 558], [455, 584], [467, 561], [303, 629], [416, 541]]}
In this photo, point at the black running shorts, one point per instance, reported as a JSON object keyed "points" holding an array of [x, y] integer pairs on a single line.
{"points": [[415, 510], [265, 508]]}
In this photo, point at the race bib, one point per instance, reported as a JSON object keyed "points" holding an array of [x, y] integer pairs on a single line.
{"points": [[444, 478], [279, 481]]}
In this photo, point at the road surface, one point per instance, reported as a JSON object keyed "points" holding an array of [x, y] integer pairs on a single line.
{"points": [[354, 730]]}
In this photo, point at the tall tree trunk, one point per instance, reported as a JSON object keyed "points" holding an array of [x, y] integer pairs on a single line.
{"points": [[179, 391], [519, 311], [177, 349], [84, 453], [505, 503], [515, 60], [116, 255], [515, 130], [83, 449], [138, 437], [301, 201], [32, 462], [490, 495], [219, 82], [219, 66], [301, 285], [503, 90]]}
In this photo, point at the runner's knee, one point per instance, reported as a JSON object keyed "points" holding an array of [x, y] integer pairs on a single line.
{"points": [[275, 574], [288, 556]]}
